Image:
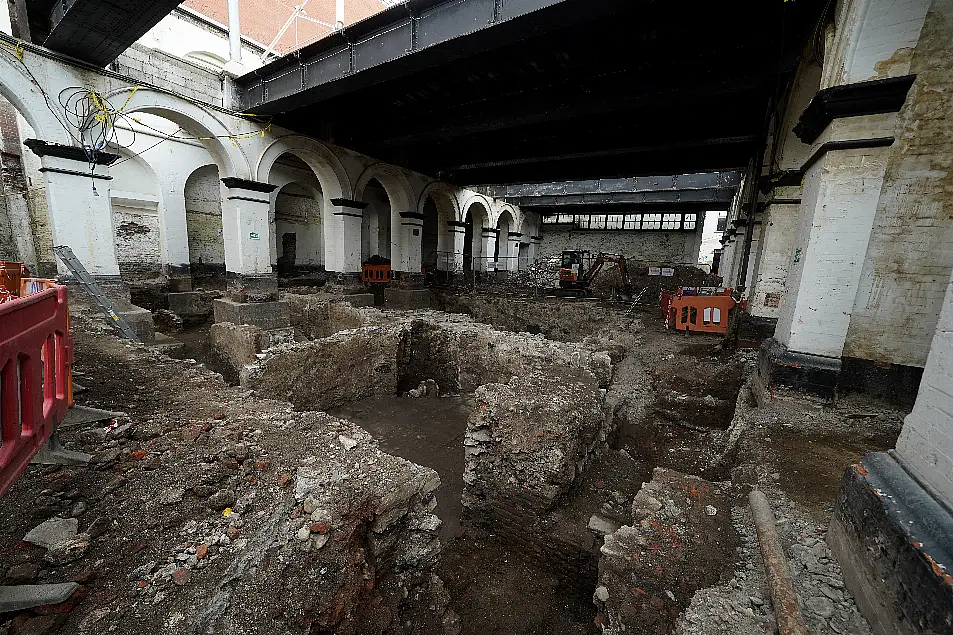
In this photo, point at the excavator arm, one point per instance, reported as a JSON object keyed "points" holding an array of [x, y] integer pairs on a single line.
{"points": [[600, 262]]}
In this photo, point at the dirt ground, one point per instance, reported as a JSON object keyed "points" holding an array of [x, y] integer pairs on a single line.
{"points": [[685, 416]]}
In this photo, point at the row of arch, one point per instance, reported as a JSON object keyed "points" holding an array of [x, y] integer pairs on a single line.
{"points": [[399, 205]]}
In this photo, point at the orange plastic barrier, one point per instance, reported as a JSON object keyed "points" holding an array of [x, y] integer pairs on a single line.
{"points": [[10, 274], [29, 286], [690, 311], [36, 354], [375, 274]]}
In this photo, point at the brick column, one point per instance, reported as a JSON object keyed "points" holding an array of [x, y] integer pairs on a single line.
{"points": [[342, 236], [488, 236], [513, 251], [843, 179], [246, 230], [777, 237], [454, 260], [412, 228], [79, 206]]}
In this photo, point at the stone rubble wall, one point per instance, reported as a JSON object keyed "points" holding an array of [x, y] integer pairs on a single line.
{"points": [[392, 351], [528, 442], [322, 316], [527, 446]]}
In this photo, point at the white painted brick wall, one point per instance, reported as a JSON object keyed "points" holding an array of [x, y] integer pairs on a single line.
{"points": [[778, 226], [656, 246], [165, 71], [138, 245], [910, 256], [873, 39], [837, 211], [926, 442]]}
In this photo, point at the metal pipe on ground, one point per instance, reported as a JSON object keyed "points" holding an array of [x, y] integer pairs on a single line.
{"points": [[776, 566]]}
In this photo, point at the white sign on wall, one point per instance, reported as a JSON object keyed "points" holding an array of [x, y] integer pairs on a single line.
{"points": [[668, 271], [655, 271]]}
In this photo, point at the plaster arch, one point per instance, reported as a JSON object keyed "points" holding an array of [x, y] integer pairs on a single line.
{"points": [[437, 245], [230, 157], [395, 182], [476, 247], [480, 199], [17, 88], [323, 162], [443, 196], [405, 247]]}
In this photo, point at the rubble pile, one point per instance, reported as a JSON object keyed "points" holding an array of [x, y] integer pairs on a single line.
{"points": [[215, 511], [680, 540]]}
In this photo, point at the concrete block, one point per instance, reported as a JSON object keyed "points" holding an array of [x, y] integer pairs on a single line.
{"points": [[265, 315], [191, 305], [407, 299], [52, 532], [140, 321]]}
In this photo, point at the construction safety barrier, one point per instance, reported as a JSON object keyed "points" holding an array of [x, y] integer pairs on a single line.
{"points": [[36, 354], [30, 286], [699, 309], [375, 274]]}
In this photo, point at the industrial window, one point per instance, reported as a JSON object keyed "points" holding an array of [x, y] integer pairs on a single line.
{"points": [[664, 221], [672, 221]]}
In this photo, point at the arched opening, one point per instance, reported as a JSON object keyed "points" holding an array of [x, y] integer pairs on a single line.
{"points": [[298, 217], [376, 226], [501, 251], [430, 244], [203, 219], [25, 231], [136, 210], [477, 217]]}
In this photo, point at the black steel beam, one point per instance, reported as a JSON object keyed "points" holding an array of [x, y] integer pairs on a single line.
{"points": [[401, 40], [671, 182], [636, 198], [98, 31]]}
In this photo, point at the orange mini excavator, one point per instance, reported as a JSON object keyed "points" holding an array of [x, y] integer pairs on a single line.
{"points": [[579, 269]]}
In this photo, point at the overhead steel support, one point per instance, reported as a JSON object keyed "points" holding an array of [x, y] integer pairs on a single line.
{"points": [[672, 183], [98, 31], [405, 30], [677, 189], [688, 197]]}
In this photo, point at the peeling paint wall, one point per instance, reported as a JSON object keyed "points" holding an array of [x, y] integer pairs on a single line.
{"points": [[772, 273], [874, 39], [910, 256], [203, 213]]}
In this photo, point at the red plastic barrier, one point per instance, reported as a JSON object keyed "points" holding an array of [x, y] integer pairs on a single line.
{"points": [[36, 353]]}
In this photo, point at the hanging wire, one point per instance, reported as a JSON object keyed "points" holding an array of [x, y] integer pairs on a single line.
{"points": [[91, 120]]}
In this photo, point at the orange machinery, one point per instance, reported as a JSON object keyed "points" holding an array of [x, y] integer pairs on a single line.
{"points": [[702, 309]]}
